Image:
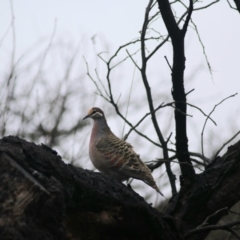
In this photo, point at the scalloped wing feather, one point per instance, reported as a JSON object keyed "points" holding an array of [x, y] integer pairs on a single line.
{"points": [[121, 157]]}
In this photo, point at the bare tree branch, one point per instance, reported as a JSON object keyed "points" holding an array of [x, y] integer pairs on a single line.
{"points": [[204, 125], [206, 6], [168, 63], [225, 144], [171, 176], [191, 105], [190, 10], [130, 56], [178, 92], [203, 48], [237, 2], [212, 227], [137, 124], [205, 159]]}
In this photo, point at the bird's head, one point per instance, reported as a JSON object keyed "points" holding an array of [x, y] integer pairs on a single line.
{"points": [[95, 113]]}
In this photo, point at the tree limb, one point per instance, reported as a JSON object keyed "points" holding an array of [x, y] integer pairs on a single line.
{"points": [[170, 174], [178, 92]]}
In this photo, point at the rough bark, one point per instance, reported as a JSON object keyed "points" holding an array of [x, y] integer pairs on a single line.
{"points": [[217, 187], [44, 198]]}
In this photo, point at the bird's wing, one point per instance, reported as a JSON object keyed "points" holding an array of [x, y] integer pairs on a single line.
{"points": [[121, 156]]}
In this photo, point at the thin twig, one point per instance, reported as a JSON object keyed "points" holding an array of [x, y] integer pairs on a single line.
{"points": [[119, 49], [199, 155], [170, 174], [190, 91], [230, 5], [168, 138], [204, 125], [152, 166], [177, 109], [221, 148], [129, 96], [90, 76], [154, 15], [124, 59], [233, 232], [211, 227], [196, 9], [100, 56], [234, 212], [203, 48], [137, 124], [168, 63], [191, 105], [130, 56], [219, 212], [99, 79], [197, 162], [229, 168], [5, 34], [157, 47]]}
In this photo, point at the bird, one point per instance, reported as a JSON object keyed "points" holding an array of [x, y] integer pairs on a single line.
{"points": [[113, 156]]}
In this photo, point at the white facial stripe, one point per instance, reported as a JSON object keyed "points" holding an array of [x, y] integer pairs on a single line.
{"points": [[98, 114]]}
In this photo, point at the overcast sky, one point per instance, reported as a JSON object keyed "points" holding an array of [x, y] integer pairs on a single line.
{"points": [[113, 23]]}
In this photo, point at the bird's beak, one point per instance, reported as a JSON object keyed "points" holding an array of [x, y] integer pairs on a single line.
{"points": [[86, 117]]}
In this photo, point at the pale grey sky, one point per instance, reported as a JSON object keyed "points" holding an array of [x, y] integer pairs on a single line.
{"points": [[117, 22]]}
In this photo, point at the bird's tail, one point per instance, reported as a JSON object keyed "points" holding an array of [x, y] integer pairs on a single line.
{"points": [[153, 184], [157, 189]]}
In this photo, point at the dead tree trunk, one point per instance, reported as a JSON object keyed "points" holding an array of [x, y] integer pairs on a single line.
{"points": [[44, 198]]}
